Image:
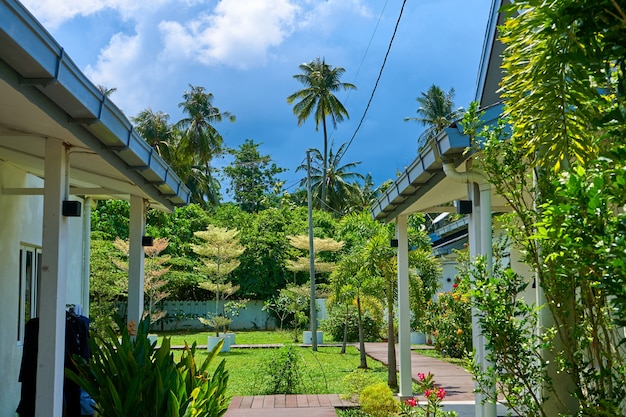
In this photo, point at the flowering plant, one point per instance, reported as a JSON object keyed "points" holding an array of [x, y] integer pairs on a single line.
{"points": [[432, 406]]}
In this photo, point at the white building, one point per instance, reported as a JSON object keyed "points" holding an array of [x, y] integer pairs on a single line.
{"points": [[63, 144]]}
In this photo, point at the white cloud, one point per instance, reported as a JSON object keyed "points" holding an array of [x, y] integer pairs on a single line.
{"points": [[125, 65], [237, 33], [53, 13]]}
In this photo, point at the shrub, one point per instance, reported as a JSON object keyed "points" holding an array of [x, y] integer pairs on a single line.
{"points": [[130, 377], [449, 318], [378, 401], [282, 373], [334, 325], [355, 382]]}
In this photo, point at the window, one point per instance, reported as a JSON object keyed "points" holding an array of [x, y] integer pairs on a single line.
{"points": [[28, 287]]}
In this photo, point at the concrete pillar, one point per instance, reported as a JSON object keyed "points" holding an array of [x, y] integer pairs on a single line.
{"points": [[136, 259], [51, 354], [404, 309]]}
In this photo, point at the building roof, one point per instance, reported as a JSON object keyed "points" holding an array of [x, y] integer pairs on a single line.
{"points": [[44, 95], [423, 186]]}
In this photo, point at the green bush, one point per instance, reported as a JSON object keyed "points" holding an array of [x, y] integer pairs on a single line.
{"points": [[449, 318], [378, 401], [355, 382], [334, 325], [128, 376], [282, 373]]}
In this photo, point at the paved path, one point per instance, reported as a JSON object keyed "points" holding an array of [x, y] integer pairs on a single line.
{"points": [[454, 379]]}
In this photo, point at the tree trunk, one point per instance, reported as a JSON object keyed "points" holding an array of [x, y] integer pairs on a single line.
{"points": [[345, 331], [392, 374], [363, 364]]}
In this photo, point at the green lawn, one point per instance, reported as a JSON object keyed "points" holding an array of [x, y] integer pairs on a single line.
{"points": [[242, 338], [321, 372]]}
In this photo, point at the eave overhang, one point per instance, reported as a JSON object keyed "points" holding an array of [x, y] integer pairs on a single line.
{"points": [[423, 186], [43, 95]]}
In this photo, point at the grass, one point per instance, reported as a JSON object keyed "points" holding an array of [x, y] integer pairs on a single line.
{"points": [[322, 372], [242, 338]]}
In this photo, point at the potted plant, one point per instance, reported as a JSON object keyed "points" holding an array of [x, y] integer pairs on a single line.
{"points": [[217, 323], [231, 310]]}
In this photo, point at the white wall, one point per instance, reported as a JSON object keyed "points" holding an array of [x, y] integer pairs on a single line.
{"points": [[21, 223]]}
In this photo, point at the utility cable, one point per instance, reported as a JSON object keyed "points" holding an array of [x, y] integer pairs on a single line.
{"points": [[380, 73]]}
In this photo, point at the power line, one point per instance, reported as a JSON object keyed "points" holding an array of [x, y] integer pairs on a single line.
{"points": [[380, 73], [358, 71]]}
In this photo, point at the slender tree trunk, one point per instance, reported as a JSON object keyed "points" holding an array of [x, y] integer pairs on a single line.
{"points": [[392, 375], [363, 364]]}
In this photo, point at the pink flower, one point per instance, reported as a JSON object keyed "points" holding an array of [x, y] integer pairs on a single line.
{"points": [[421, 376], [427, 392], [441, 393], [411, 401]]}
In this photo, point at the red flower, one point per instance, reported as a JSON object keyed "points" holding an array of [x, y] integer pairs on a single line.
{"points": [[441, 393], [421, 376], [427, 392], [411, 401], [455, 285]]}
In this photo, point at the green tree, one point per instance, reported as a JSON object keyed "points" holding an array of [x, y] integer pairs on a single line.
{"points": [[563, 89], [339, 182], [436, 112], [219, 255], [201, 140], [252, 177], [321, 81], [381, 262], [154, 128]]}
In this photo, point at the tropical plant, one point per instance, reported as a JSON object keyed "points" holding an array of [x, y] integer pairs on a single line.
{"points": [[563, 89], [219, 255], [129, 376], [321, 81], [449, 317], [201, 140], [381, 262], [154, 271], [434, 396], [339, 181], [436, 112], [423, 284]]}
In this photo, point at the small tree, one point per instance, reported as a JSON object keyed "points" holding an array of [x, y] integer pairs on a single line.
{"points": [[154, 270], [219, 254]]}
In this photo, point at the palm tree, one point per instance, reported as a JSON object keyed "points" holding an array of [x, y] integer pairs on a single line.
{"points": [[200, 139], [436, 112], [339, 181], [155, 129], [321, 81]]}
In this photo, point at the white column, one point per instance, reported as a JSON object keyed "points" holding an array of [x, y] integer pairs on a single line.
{"points": [[404, 310], [135, 259], [51, 354]]}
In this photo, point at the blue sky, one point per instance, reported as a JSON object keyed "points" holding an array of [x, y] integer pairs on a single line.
{"points": [[245, 52]]}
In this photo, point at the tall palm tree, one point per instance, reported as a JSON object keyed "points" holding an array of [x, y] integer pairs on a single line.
{"points": [[339, 181], [321, 81], [200, 139], [436, 112]]}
